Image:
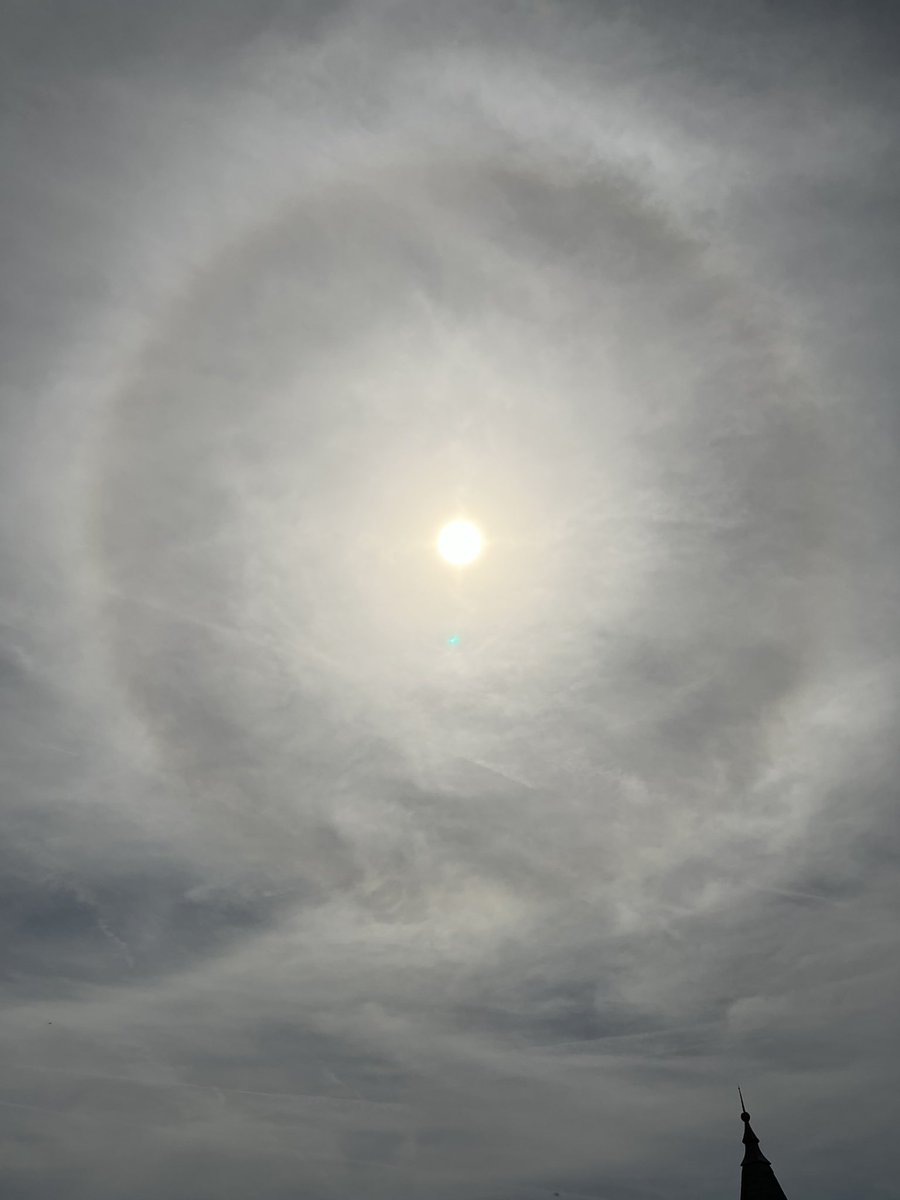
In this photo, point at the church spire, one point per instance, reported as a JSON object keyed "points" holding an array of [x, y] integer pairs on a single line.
{"points": [[758, 1180]]}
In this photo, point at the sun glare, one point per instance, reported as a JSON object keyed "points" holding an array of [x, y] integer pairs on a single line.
{"points": [[460, 543]]}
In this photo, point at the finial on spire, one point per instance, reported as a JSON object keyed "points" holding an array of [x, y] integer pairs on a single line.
{"points": [[758, 1181]]}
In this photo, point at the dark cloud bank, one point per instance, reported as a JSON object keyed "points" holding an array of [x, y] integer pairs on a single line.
{"points": [[297, 899]]}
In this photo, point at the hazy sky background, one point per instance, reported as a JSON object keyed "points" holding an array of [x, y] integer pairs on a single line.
{"points": [[296, 898]]}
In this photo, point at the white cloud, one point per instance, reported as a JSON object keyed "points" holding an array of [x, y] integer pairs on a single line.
{"points": [[297, 894]]}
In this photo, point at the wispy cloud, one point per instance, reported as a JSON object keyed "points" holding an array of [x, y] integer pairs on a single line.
{"points": [[298, 896]]}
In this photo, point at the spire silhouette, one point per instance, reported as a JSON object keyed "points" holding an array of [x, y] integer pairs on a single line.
{"points": [[758, 1180]]}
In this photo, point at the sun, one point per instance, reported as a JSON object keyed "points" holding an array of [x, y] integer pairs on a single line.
{"points": [[460, 542]]}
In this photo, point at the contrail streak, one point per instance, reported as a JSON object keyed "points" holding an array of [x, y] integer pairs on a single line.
{"points": [[205, 1087]]}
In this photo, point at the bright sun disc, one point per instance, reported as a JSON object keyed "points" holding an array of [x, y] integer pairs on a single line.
{"points": [[460, 543]]}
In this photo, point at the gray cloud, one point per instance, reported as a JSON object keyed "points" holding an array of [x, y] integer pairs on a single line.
{"points": [[298, 898]]}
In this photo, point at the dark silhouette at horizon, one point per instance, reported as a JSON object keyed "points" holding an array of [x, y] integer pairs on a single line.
{"points": [[758, 1181]]}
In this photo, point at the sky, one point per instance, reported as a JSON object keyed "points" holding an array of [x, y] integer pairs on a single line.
{"points": [[331, 871]]}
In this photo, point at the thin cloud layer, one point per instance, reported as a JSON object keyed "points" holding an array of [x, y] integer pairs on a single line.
{"points": [[329, 870]]}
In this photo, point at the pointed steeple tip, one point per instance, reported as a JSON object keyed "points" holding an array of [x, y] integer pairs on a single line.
{"points": [[752, 1152], [758, 1180]]}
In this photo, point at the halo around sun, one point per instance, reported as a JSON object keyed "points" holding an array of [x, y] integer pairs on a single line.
{"points": [[460, 543]]}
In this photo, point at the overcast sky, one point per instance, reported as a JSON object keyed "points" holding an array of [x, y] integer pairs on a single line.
{"points": [[329, 870]]}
